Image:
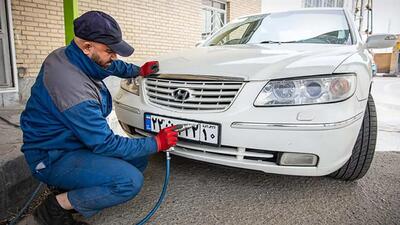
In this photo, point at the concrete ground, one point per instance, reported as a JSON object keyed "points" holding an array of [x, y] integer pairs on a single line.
{"points": [[386, 93], [201, 193]]}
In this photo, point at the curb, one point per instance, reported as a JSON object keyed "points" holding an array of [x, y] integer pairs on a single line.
{"points": [[16, 182]]}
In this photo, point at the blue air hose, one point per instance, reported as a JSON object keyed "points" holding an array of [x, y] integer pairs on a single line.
{"points": [[178, 128], [16, 218], [162, 195]]}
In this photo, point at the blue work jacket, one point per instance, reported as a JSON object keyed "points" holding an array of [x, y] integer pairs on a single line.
{"points": [[68, 107]]}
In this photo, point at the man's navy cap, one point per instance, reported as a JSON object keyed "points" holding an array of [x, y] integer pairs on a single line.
{"points": [[100, 27]]}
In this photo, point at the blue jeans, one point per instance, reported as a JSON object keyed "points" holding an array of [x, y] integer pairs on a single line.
{"points": [[93, 181]]}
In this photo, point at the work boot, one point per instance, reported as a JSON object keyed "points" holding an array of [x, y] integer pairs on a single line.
{"points": [[56, 191], [49, 212]]}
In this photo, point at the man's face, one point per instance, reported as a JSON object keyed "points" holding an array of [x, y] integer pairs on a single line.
{"points": [[100, 54]]}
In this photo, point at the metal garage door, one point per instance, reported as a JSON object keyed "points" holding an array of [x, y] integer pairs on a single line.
{"points": [[5, 63]]}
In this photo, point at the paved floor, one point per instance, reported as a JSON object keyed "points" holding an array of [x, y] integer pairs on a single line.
{"points": [[201, 193], [386, 93]]}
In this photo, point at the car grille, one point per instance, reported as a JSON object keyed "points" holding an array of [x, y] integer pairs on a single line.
{"points": [[204, 95], [222, 152]]}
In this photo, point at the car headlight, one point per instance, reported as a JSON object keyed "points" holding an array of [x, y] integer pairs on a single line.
{"points": [[131, 85], [310, 90]]}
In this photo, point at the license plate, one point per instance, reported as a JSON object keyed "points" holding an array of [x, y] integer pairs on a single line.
{"points": [[203, 132]]}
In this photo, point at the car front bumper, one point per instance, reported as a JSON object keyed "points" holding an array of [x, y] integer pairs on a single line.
{"points": [[254, 137]]}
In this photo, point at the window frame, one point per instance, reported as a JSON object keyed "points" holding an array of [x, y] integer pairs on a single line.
{"points": [[321, 3], [205, 35], [13, 83]]}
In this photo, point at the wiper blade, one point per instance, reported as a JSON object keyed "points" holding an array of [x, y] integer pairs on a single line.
{"points": [[277, 42]]}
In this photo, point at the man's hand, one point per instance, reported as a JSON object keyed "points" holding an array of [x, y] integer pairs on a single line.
{"points": [[148, 68], [166, 138]]}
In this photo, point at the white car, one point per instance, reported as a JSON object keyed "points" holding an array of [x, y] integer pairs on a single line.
{"points": [[285, 93]]}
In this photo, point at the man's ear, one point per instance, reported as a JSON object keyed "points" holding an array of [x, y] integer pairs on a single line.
{"points": [[86, 48]]}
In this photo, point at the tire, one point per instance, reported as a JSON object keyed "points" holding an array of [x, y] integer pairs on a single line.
{"points": [[363, 151]]}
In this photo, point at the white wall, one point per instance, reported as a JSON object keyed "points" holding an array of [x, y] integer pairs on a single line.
{"points": [[280, 5], [386, 16], [386, 19], [386, 13]]}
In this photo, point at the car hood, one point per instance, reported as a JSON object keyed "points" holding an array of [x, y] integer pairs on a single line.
{"points": [[257, 62]]}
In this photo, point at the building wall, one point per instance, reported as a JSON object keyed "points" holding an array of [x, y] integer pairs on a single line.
{"points": [[280, 5], [38, 29], [386, 19], [284, 5], [153, 27], [237, 8]]}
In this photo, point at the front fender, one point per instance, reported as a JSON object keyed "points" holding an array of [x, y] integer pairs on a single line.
{"points": [[359, 63]]}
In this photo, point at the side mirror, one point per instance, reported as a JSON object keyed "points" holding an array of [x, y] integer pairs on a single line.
{"points": [[200, 43], [381, 41]]}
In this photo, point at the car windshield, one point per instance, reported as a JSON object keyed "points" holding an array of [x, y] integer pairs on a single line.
{"points": [[318, 27]]}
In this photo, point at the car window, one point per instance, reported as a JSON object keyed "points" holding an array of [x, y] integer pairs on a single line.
{"points": [[234, 36], [320, 27]]}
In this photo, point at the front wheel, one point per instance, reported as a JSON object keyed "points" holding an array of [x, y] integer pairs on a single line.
{"points": [[363, 151]]}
